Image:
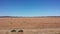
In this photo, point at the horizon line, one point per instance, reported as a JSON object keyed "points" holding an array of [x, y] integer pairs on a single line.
{"points": [[28, 16]]}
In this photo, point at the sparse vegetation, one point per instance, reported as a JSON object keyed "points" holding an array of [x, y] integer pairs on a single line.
{"points": [[13, 31], [20, 31]]}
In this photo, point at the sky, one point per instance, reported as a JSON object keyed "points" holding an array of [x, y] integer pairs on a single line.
{"points": [[29, 7]]}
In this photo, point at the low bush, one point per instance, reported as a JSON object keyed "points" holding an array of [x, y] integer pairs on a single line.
{"points": [[13, 30], [20, 31]]}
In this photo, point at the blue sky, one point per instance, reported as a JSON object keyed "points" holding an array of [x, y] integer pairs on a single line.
{"points": [[29, 7]]}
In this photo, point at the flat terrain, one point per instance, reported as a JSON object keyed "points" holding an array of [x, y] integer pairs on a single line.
{"points": [[30, 24]]}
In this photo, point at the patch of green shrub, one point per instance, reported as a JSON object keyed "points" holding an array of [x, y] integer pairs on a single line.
{"points": [[13, 30], [20, 31]]}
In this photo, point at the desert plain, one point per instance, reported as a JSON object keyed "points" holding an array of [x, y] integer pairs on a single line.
{"points": [[30, 25]]}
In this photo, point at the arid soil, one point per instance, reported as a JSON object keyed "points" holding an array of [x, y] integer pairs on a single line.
{"points": [[30, 24]]}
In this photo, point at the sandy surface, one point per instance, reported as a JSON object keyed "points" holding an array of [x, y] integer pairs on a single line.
{"points": [[41, 25]]}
